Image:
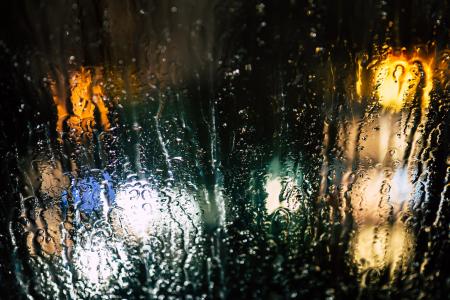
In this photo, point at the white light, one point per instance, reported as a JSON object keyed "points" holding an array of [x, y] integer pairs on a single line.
{"points": [[144, 210], [401, 187], [139, 206], [140, 212], [98, 260], [273, 189]]}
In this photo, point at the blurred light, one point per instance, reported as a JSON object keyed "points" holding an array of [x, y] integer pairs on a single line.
{"points": [[99, 260], [359, 82], [398, 77], [134, 211], [377, 243], [401, 187], [140, 206], [86, 95], [378, 247], [273, 189]]}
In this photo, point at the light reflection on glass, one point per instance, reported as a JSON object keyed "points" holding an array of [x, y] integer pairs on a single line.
{"points": [[273, 190], [382, 239], [282, 186], [100, 259], [383, 192], [86, 96], [396, 77]]}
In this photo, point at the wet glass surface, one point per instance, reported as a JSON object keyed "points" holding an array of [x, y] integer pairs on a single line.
{"points": [[224, 150]]}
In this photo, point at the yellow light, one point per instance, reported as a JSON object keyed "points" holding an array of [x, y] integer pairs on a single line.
{"points": [[378, 247], [398, 78], [359, 79], [85, 96], [378, 244]]}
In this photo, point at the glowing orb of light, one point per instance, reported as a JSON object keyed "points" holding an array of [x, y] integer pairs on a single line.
{"points": [[98, 256], [139, 205], [144, 209], [139, 213], [273, 190], [398, 78]]}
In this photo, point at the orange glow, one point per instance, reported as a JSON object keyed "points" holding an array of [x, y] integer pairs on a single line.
{"points": [[398, 77], [359, 79], [85, 96]]}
